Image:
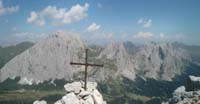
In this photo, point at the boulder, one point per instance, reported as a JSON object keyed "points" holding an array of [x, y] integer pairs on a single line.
{"points": [[180, 89], [70, 98], [73, 87], [39, 102], [91, 85], [193, 83], [194, 78]]}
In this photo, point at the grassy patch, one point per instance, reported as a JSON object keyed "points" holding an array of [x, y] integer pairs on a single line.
{"points": [[29, 96]]}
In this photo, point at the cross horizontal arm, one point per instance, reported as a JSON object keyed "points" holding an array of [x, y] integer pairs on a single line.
{"points": [[95, 65], [74, 63]]}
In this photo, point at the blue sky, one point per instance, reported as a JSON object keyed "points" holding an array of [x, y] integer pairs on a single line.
{"points": [[101, 20]]}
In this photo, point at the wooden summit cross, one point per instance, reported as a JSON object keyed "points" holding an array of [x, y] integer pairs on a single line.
{"points": [[86, 64]]}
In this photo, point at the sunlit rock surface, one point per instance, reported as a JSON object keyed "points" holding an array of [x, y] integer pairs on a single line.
{"points": [[47, 59], [77, 95]]}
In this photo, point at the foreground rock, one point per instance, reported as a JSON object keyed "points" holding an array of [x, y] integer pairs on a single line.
{"points": [[77, 95], [183, 96], [190, 97]]}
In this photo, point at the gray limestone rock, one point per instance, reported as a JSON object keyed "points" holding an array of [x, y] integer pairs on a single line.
{"points": [[89, 96], [48, 59]]}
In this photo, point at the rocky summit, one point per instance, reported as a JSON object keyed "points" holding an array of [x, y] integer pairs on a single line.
{"points": [[75, 94]]}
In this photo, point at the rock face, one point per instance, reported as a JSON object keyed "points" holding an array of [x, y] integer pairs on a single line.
{"points": [[77, 95], [47, 59], [116, 52], [160, 61], [157, 61]]}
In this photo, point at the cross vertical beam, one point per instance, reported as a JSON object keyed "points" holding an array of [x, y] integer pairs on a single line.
{"points": [[86, 64]]}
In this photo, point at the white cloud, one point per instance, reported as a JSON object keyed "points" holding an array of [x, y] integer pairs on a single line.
{"points": [[53, 12], [76, 13], [18, 37], [59, 15], [27, 36], [93, 27], [35, 19], [12, 9], [179, 36], [145, 22], [109, 36], [7, 10], [162, 35], [144, 35]]}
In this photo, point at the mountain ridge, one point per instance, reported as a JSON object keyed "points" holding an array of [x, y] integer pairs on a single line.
{"points": [[50, 58]]}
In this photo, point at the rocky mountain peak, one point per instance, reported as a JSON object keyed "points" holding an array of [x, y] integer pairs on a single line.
{"points": [[116, 52], [112, 50], [47, 59], [160, 61]]}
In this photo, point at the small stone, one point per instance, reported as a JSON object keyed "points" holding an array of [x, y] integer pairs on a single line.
{"points": [[180, 89], [91, 85], [73, 87]]}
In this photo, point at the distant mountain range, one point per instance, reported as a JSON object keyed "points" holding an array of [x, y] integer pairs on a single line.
{"points": [[125, 64], [50, 58]]}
